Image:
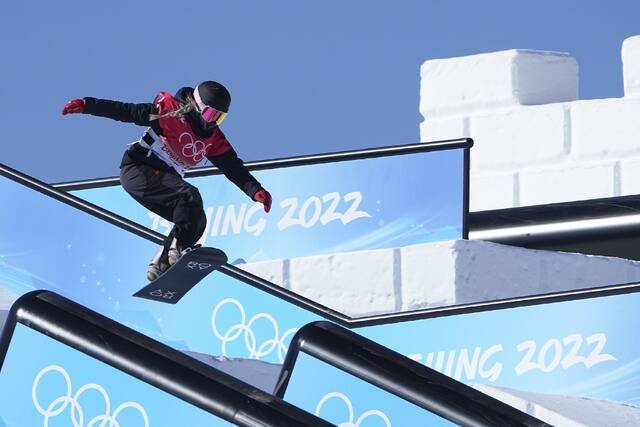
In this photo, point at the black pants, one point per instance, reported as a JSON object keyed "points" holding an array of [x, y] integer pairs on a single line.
{"points": [[169, 196]]}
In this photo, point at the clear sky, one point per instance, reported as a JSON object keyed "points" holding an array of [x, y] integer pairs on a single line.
{"points": [[305, 76]]}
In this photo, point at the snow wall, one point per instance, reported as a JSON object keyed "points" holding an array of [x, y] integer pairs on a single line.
{"points": [[535, 141]]}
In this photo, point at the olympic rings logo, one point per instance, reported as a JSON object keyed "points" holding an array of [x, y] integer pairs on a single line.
{"points": [[195, 150], [350, 423], [58, 405], [251, 341]]}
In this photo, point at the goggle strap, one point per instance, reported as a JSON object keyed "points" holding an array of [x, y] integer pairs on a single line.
{"points": [[198, 99]]}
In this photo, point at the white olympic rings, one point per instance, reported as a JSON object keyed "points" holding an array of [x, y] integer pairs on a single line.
{"points": [[58, 405], [251, 341], [195, 150], [347, 402]]}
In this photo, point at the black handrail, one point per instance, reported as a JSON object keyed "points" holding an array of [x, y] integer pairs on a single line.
{"points": [[158, 238], [78, 203], [151, 362], [608, 226], [339, 156], [503, 304], [399, 375], [286, 295], [303, 302]]}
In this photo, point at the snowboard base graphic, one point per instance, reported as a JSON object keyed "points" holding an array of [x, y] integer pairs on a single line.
{"points": [[181, 277]]}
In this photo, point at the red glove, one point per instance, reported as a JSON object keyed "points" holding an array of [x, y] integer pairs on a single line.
{"points": [[75, 106], [263, 196]]}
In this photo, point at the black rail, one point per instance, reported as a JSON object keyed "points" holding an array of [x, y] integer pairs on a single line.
{"points": [[479, 221], [401, 376], [151, 362], [78, 203], [158, 238], [608, 226], [340, 156]]}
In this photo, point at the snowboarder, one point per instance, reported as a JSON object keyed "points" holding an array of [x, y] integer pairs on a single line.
{"points": [[182, 130]]}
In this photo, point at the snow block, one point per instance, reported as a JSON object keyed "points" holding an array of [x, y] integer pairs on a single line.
{"points": [[445, 273], [572, 182], [522, 136], [354, 283], [492, 191], [262, 375], [631, 66], [273, 271], [496, 80], [559, 410], [630, 176], [7, 298], [428, 275], [605, 128], [453, 127], [468, 271]]}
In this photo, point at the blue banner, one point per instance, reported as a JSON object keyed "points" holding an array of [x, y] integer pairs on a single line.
{"points": [[372, 203], [56, 247], [343, 399], [53, 384], [583, 347]]}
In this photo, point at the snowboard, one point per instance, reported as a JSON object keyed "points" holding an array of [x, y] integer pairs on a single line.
{"points": [[181, 277]]}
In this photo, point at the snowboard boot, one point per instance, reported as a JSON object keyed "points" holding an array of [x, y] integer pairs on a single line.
{"points": [[176, 251], [158, 265]]}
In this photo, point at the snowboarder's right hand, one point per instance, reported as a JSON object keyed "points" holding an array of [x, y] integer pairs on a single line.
{"points": [[74, 106]]}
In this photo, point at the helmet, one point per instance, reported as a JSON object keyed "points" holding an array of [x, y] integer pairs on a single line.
{"points": [[213, 94], [212, 100]]}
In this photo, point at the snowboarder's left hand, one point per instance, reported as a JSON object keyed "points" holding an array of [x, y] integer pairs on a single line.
{"points": [[263, 196]]}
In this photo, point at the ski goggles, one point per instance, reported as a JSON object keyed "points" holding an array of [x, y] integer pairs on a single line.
{"points": [[209, 114]]}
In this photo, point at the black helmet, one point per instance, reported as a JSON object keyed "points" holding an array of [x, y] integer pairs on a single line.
{"points": [[214, 95]]}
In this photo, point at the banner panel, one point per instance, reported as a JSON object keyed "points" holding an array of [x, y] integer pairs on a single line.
{"points": [[53, 246], [369, 203], [583, 347], [54, 384], [343, 399]]}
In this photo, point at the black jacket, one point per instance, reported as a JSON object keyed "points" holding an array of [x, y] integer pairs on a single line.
{"points": [[229, 163]]}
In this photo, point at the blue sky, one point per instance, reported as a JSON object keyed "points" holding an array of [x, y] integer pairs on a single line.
{"points": [[306, 77]]}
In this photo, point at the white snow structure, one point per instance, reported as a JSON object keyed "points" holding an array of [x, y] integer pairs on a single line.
{"points": [[439, 274], [631, 64], [535, 142], [566, 411], [262, 375], [7, 298]]}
